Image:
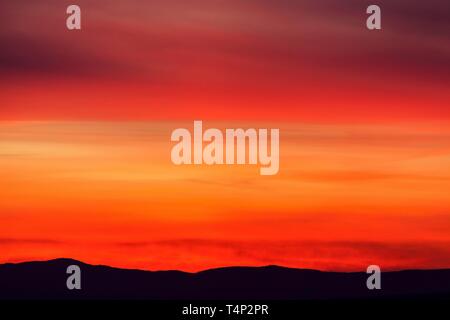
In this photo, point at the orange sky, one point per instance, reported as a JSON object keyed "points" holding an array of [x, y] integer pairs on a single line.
{"points": [[86, 117], [107, 192]]}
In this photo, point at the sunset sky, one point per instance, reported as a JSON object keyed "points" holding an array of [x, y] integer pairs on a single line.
{"points": [[364, 118]]}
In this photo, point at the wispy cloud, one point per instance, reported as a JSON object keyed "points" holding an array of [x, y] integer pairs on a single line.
{"points": [[28, 241]]}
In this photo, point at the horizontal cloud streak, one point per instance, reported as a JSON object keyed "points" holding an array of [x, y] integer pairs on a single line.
{"points": [[18, 241], [322, 255]]}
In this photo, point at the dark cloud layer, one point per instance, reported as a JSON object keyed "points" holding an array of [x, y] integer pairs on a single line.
{"points": [[176, 40], [340, 255]]}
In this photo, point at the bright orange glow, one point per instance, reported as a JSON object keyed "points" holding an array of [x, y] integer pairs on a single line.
{"points": [[107, 192]]}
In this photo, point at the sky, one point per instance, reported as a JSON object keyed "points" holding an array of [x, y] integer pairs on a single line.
{"points": [[86, 117]]}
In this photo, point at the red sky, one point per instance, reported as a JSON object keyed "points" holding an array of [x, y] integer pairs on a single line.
{"points": [[257, 59], [364, 118]]}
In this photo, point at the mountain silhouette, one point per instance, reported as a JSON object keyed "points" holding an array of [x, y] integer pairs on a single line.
{"points": [[47, 280]]}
